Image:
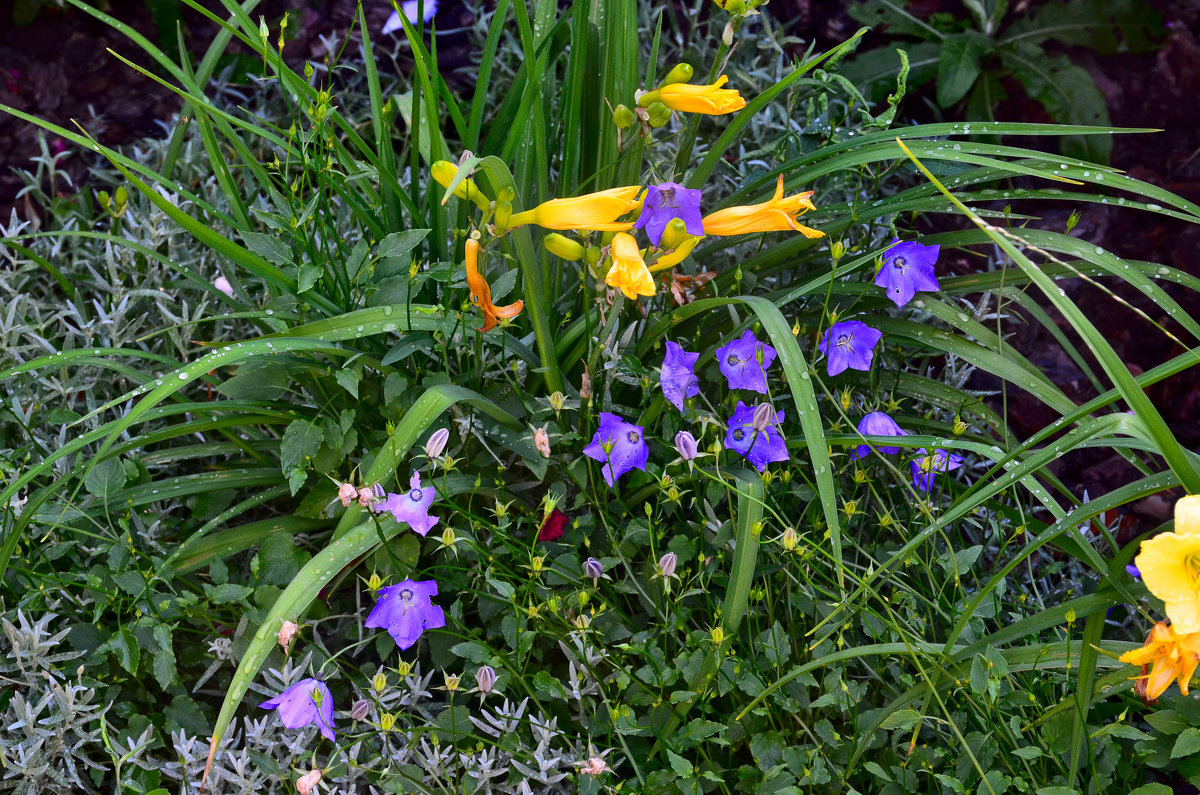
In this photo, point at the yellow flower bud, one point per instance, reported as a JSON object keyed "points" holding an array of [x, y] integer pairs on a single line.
{"points": [[452, 681], [403, 668], [556, 401], [718, 636], [374, 583], [386, 721], [563, 247], [379, 682], [443, 172]]}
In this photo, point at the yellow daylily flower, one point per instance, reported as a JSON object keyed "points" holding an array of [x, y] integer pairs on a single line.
{"points": [[777, 215], [443, 171], [481, 292], [596, 211], [686, 98], [1170, 567], [1170, 656], [629, 273]]}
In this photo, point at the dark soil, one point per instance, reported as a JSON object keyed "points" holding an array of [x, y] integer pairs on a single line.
{"points": [[59, 68]]}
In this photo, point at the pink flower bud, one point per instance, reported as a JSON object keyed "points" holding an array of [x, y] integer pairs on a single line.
{"points": [[308, 782], [347, 494], [685, 443], [436, 444], [360, 710], [764, 417], [594, 766], [222, 284], [286, 633], [594, 569], [667, 563], [541, 440], [485, 679]]}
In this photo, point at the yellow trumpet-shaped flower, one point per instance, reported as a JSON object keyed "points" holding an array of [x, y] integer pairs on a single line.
{"points": [[777, 215], [1170, 656], [481, 292], [596, 211], [686, 98], [443, 171], [629, 273], [1170, 567]]}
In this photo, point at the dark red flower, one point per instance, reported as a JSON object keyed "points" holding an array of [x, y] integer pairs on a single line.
{"points": [[552, 528]]}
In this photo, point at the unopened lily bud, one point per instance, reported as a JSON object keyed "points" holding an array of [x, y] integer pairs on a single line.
{"points": [[556, 401], [286, 633], [504, 210], [674, 234], [443, 172], [452, 682], [667, 564], [360, 710], [658, 114], [541, 440], [680, 74], [790, 539], [593, 569], [379, 682], [592, 255], [485, 679], [685, 445], [563, 247], [623, 117], [436, 444], [308, 782], [103, 199], [386, 721], [764, 417]]}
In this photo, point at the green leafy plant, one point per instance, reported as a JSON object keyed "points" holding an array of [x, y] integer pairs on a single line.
{"points": [[970, 59]]}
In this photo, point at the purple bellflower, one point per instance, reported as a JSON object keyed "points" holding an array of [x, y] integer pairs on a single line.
{"points": [[405, 611], [1133, 571], [413, 506], [759, 447], [925, 466], [849, 344], [678, 379], [306, 702], [666, 201], [619, 445], [739, 361], [877, 424], [907, 268]]}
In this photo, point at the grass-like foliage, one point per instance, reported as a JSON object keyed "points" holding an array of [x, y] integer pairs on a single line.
{"points": [[657, 584]]}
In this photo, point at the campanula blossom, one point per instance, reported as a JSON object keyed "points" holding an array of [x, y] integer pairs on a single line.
{"points": [[1170, 567], [620, 445], [925, 466], [849, 344], [481, 292], [744, 362], [907, 268], [877, 424], [596, 211], [778, 214], [686, 445], [711, 100], [628, 272], [759, 447], [678, 379], [306, 702], [413, 505], [1170, 656], [1133, 571], [593, 569], [413, 11], [222, 284], [405, 610], [665, 202]]}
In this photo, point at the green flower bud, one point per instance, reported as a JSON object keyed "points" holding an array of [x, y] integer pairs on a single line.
{"points": [[659, 114], [680, 74], [563, 247], [623, 117]]}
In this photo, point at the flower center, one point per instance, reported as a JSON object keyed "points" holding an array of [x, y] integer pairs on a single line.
{"points": [[407, 595], [634, 437], [415, 495], [843, 340], [898, 262], [738, 435], [733, 360]]}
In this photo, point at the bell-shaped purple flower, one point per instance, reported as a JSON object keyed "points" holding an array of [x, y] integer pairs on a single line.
{"points": [[678, 379], [849, 344], [412, 506], [405, 610], [907, 268], [925, 466], [306, 702], [619, 445], [877, 424], [759, 447], [744, 362], [666, 201]]}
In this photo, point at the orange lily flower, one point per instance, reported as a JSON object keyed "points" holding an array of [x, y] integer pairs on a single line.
{"points": [[711, 100], [777, 215], [596, 211], [481, 293], [1169, 656]]}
